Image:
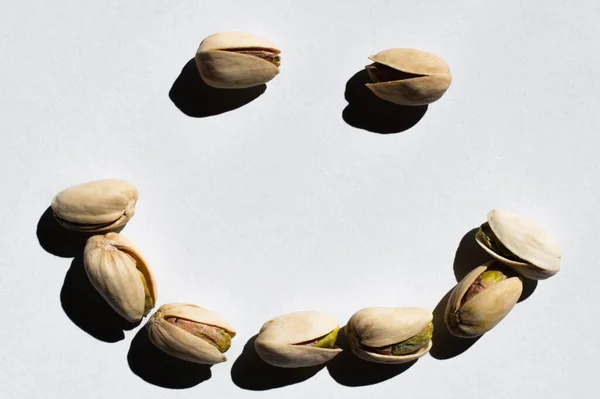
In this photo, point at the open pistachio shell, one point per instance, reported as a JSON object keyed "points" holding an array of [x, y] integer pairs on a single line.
{"points": [[299, 339], [120, 274], [97, 206], [190, 333], [408, 76], [235, 60], [521, 244], [371, 330], [476, 315]]}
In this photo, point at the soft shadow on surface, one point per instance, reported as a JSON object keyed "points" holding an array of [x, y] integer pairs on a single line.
{"points": [[446, 345], [158, 368], [470, 255], [195, 98], [57, 240], [250, 372], [87, 309], [369, 112], [349, 370]]}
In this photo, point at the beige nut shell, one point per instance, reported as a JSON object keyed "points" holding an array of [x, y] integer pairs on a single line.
{"points": [[485, 310], [113, 265], [431, 84], [178, 342], [528, 241], [277, 340], [382, 326], [221, 67], [96, 206]]}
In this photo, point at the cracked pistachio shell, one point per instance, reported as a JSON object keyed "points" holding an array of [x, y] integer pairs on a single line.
{"points": [[235, 60], [281, 341], [178, 342], [483, 311], [383, 326], [539, 252], [415, 77], [120, 274], [96, 206]]}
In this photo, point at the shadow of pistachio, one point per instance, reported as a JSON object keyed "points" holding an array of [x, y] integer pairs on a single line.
{"points": [[158, 368], [368, 112], [57, 240], [446, 345], [349, 370], [197, 99], [470, 255], [87, 309], [250, 372]]}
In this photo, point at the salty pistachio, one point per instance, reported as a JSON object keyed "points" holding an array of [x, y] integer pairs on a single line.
{"points": [[235, 60], [408, 77], [300, 339], [96, 206], [521, 244], [190, 333], [390, 335], [481, 300], [120, 274]]}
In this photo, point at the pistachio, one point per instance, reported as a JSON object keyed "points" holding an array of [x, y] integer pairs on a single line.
{"points": [[96, 206], [190, 333], [235, 60], [521, 244], [300, 339], [481, 300], [390, 335], [120, 274], [408, 76]]}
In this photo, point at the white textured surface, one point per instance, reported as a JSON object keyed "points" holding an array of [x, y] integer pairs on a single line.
{"points": [[281, 206]]}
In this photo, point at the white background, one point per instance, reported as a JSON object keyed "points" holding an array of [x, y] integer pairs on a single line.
{"points": [[280, 205]]}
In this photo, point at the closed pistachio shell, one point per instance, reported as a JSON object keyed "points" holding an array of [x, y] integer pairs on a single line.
{"points": [[96, 206], [476, 315], [521, 244], [120, 274], [371, 329], [408, 76], [236, 60], [300, 339], [190, 333]]}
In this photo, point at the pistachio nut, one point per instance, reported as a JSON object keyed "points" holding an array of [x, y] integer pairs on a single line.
{"points": [[96, 206], [521, 244], [120, 274], [481, 300], [235, 60], [408, 77], [190, 333], [300, 339], [390, 335]]}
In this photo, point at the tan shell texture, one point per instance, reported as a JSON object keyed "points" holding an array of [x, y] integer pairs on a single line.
{"points": [[96, 206], [382, 326], [279, 341], [113, 266], [181, 344], [527, 240], [483, 311], [223, 60], [427, 77]]}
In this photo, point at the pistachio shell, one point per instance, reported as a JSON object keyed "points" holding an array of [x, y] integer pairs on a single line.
{"points": [[120, 274], [282, 341], [527, 240], [483, 311], [427, 77], [223, 60], [96, 206], [180, 343], [383, 326]]}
